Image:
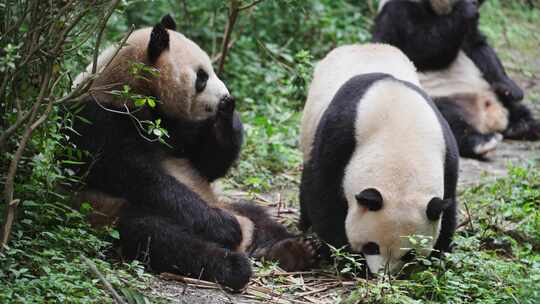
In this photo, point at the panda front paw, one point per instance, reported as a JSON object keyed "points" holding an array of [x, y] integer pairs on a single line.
{"points": [[226, 107], [508, 92]]}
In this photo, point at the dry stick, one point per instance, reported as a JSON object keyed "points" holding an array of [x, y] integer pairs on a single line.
{"points": [[12, 169], [234, 10], [233, 16], [103, 280]]}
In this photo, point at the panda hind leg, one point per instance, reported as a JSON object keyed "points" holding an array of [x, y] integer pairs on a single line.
{"points": [[273, 242], [166, 246]]}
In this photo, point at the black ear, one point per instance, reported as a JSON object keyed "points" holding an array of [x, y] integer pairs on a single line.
{"points": [[168, 22], [370, 198], [435, 208], [159, 42]]}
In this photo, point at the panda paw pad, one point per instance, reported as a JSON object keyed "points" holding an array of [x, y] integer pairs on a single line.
{"points": [[294, 254]]}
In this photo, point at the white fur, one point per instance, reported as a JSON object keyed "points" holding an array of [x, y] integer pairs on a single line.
{"points": [[401, 152], [103, 58], [402, 155], [177, 67], [338, 67], [461, 77], [464, 77]]}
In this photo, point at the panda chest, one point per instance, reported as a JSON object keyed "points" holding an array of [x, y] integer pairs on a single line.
{"points": [[184, 172]]}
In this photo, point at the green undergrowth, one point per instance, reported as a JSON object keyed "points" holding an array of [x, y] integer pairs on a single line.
{"points": [[268, 69]]}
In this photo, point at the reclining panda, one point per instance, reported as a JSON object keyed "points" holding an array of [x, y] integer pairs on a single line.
{"points": [[380, 162], [168, 213], [458, 69]]}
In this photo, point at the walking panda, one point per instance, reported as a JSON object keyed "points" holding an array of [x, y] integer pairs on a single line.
{"points": [[380, 162], [168, 213], [440, 35]]}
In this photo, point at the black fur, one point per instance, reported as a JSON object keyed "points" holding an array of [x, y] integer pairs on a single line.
{"points": [[168, 22], [467, 135], [165, 223], [160, 208], [370, 198], [159, 42], [429, 40], [432, 42], [435, 208], [322, 201], [485, 58]]}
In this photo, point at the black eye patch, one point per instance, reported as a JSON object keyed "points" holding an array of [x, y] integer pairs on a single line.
{"points": [[202, 78], [409, 256], [371, 248]]}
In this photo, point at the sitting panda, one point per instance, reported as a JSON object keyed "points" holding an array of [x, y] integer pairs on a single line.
{"points": [[380, 162], [169, 216], [436, 33]]}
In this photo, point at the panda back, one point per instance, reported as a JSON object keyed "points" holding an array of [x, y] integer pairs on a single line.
{"points": [[400, 144], [340, 65]]}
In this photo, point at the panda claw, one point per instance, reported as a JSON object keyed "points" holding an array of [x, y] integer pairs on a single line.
{"points": [[292, 254]]}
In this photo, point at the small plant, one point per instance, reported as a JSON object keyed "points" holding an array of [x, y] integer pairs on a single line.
{"points": [[347, 263]]}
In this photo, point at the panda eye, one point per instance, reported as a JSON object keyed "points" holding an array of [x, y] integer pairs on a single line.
{"points": [[371, 248], [202, 78]]}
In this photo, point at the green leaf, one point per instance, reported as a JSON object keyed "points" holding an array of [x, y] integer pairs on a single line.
{"points": [[114, 234], [151, 102], [140, 102]]}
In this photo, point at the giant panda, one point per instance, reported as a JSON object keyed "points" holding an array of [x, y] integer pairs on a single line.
{"points": [[437, 35], [380, 164], [169, 215]]}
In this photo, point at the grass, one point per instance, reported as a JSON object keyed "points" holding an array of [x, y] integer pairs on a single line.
{"points": [[496, 258]]}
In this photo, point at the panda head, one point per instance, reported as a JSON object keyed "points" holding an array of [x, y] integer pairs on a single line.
{"points": [[389, 236], [482, 110], [186, 85], [494, 114]]}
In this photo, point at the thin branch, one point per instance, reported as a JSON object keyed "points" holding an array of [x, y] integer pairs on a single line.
{"points": [[12, 170], [233, 16], [103, 280], [100, 33], [248, 6]]}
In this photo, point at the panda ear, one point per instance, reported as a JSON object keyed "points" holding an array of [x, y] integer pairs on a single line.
{"points": [[159, 42], [168, 22], [436, 207], [370, 198]]}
